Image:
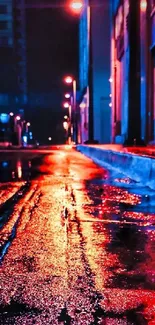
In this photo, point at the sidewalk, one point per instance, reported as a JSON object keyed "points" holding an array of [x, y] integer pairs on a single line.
{"points": [[148, 151], [137, 163]]}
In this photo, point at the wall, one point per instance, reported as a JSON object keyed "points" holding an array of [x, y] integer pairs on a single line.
{"points": [[143, 71], [83, 48], [100, 18]]}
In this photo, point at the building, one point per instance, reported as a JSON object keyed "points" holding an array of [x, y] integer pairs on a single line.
{"points": [[94, 59], [84, 74], [19, 16], [133, 71], [13, 83], [13, 76]]}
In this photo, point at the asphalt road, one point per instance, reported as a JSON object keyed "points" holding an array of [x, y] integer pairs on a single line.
{"points": [[74, 247]]}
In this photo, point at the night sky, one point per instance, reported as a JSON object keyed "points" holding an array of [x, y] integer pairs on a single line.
{"points": [[52, 52]]}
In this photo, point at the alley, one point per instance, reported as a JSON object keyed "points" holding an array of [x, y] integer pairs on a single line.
{"points": [[75, 248]]}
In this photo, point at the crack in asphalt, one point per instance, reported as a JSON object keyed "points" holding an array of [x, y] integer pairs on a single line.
{"points": [[7, 208], [7, 243]]}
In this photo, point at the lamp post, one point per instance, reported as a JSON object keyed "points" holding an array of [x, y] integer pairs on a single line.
{"points": [[69, 80], [27, 127], [18, 129], [77, 6], [72, 106], [70, 131]]}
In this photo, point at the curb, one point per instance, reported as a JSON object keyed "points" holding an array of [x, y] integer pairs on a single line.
{"points": [[139, 168]]}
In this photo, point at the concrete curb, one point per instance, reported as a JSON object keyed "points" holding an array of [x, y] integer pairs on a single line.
{"points": [[138, 168]]}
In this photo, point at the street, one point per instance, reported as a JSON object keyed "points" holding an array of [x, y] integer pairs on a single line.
{"points": [[74, 247]]}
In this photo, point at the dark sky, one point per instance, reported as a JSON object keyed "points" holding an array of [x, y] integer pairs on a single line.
{"points": [[52, 52]]}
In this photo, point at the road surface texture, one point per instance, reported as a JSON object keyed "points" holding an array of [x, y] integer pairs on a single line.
{"points": [[74, 247]]}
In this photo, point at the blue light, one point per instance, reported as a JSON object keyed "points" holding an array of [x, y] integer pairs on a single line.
{"points": [[4, 164], [25, 139], [4, 118]]}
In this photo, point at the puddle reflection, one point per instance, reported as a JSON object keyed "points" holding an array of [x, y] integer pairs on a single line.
{"points": [[15, 170], [19, 167]]}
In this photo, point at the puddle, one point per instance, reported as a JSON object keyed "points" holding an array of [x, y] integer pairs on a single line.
{"points": [[18, 168]]}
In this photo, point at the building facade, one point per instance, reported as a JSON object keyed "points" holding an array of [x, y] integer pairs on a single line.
{"points": [[13, 75], [13, 80], [94, 59], [132, 71], [84, 42]]}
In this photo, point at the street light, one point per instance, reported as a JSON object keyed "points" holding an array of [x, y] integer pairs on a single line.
{"points": [[72, 106], [27, 126], [65, 125], [11, 114], [18, 118], [67, 96], [66, 105], [68, 79], [69, 119], [76, 6], [143, 5]]}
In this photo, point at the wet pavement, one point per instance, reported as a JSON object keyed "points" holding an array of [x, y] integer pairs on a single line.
{"points": [[77, 245]]}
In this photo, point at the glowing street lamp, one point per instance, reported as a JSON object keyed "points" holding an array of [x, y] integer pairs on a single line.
{"points": [[66, 105], [65, 125], [11, 114], [67, 96], [28, 123], [18, 118], [49, 138], [66, 117], [68, 80], [143, 5], [76, 6]]}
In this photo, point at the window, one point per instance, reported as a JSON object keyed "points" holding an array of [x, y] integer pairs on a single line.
{"points": [[3, 9], [3, 24]]}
